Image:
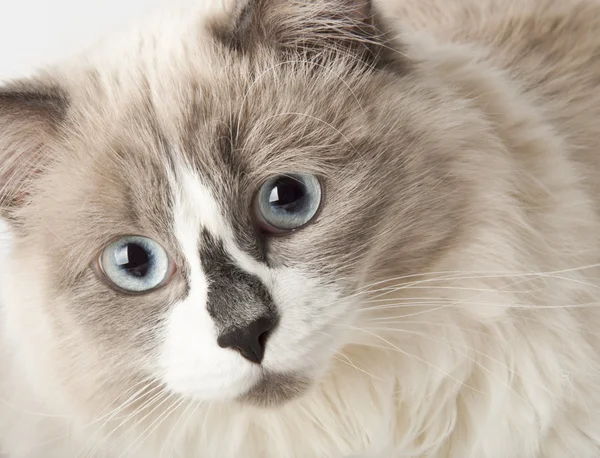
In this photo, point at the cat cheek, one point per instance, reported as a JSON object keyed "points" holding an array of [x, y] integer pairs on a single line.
{"points": [[312, 315]]}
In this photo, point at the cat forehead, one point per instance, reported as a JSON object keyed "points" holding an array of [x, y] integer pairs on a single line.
{"points": [[234, 129], [194, 91]]}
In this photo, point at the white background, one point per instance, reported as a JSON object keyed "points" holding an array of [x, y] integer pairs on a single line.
{"points": [[38, 32]]}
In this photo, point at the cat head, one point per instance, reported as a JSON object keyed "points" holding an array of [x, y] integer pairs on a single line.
{"points": [[203, 205]]}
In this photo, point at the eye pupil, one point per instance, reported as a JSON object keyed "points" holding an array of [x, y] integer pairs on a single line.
{"points": [[133, 259], [287, 194]]}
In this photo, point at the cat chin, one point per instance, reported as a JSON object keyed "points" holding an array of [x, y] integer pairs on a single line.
{"points": [[275, 389], [271, 389]]}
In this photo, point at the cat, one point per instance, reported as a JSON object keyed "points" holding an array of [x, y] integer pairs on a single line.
{"points": [[307, 228]]}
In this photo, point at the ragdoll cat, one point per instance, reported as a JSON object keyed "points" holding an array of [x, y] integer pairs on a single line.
{"points": [[308, 228]]}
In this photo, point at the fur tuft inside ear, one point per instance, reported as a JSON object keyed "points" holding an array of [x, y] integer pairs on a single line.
{"points": [[308, 27], [30, 114]]}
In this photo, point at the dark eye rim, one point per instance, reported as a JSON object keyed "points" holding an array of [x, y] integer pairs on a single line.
{"points": [[96, 266], [273, 231]]}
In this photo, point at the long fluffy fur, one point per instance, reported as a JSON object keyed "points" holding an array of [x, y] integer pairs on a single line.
{"points": [[475, 288]]}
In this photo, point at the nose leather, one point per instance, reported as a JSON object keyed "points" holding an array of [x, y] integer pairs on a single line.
{"points": [[250, 340]]}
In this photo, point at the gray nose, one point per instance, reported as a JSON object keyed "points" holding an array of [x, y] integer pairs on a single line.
{"points": [[250, 340]]}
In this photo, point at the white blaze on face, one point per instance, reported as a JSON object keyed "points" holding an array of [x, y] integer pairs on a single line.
{"points": [[193, 363]]}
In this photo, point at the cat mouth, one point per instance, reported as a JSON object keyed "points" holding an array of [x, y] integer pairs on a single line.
{"points": [[274, 389]]}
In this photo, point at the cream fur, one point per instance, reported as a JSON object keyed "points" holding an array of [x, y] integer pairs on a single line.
{"points": [[491, 352]]}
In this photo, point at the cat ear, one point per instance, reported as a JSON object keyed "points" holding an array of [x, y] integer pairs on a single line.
{"points": [[311, 28], [30, 114]]}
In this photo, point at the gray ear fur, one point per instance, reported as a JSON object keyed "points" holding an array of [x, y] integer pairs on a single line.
{"points": [[30, 115], [311, 28]]}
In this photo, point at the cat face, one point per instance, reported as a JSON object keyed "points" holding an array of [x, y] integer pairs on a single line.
{"points": [[207, 214]]}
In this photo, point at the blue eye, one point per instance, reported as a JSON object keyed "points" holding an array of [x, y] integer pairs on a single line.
{"points": [[288, 202], [135, 264]]}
